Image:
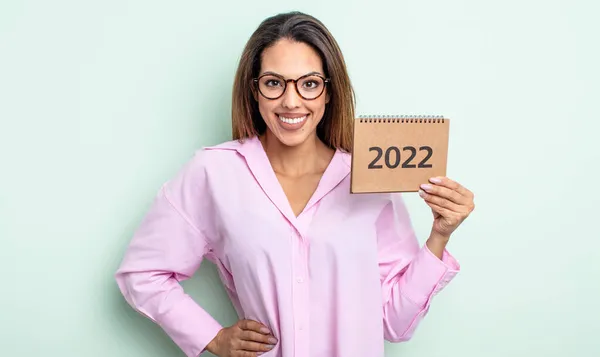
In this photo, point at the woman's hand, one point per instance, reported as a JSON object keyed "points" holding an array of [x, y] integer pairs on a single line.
{"points": [[247, 338], [450, 203]]}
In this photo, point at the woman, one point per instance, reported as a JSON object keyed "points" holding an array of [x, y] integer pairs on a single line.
{"points": [[311, 269]]}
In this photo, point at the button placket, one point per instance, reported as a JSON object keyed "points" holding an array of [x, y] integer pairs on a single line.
{"points": [[301, 296]]}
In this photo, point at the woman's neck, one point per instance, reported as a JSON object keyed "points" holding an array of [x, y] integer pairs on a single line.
{"points": [[310, 157]]}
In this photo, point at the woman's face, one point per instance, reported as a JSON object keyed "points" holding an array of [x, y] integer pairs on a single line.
{"points": [[291, 118]]}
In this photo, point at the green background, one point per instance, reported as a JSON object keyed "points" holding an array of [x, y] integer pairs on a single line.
{"points": [[102, 101]]}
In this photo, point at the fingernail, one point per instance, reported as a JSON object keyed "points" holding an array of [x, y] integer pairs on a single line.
{"points": [[435, 180], [272, 340], [421, 193], [264, 330], [270, 347], [426, 187]]}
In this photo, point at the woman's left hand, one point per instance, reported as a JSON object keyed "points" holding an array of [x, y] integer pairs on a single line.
{"points": [[450, 203]]}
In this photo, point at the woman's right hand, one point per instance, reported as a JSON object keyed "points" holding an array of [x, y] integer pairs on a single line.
{"points": [[247, 338]]}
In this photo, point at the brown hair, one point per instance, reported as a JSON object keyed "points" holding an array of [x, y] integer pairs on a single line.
{"points": [[335, 129]]}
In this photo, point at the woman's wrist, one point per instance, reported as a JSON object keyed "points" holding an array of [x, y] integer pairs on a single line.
{"points": [[437, 243]]}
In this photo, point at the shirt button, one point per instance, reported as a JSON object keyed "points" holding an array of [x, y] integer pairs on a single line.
{"points": [[300, 280]]}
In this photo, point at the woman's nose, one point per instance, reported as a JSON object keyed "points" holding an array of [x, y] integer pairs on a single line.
{"points": [[291, 98]]}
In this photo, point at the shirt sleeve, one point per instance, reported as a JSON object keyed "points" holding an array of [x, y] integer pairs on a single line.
{"points": [[167, 248], [410, 275]]}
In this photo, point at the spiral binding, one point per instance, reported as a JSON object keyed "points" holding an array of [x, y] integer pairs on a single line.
{"points": [[401, 118]]}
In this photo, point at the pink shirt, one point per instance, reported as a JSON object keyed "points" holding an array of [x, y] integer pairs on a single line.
{"points": [[332, 282]]}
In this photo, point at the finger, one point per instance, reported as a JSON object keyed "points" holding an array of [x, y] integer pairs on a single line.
{"points": [[446, 193], [254, 326], [440, 201], [249, 335], [444, 212], [451, 184], [255, 346], [244, 354]]}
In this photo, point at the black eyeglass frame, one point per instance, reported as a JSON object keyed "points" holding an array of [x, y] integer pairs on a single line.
{"points": [[326, 81]]}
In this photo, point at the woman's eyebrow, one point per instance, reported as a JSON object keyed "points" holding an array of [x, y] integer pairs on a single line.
{"points": [[277, 74]]}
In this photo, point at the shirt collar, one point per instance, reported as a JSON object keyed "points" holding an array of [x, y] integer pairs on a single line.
{"points": [[258, 163]]}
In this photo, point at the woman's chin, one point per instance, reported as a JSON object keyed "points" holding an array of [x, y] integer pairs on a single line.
{"points": [[293, 138]]}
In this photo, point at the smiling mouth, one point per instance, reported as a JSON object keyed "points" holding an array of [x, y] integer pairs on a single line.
{"points": [[296, 120]]}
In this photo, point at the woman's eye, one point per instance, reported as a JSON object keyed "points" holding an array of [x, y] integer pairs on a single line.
{"points": [[272, 83], [311, 84]]}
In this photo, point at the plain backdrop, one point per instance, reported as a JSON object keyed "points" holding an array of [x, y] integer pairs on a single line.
{"points": [[102, 101]]}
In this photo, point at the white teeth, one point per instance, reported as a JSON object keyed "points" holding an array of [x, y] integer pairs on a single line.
{"points": [[292, 120]]}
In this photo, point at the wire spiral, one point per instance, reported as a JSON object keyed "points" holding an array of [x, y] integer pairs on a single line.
{"points": [[429, 119]]}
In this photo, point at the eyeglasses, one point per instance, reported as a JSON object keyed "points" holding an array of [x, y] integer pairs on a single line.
{"points": [[273, 86]]}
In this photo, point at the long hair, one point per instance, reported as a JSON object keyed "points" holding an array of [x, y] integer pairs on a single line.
{"points": [[335, 128]]}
